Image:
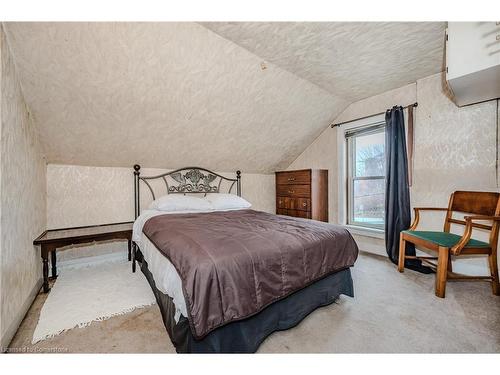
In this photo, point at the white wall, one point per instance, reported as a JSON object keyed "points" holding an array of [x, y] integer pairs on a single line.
{"points": [[455, 148], [22, 201], [79, 195]]}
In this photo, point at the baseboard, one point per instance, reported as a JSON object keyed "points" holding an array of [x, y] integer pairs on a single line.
{"points": [[373, 248], [14, 326]]}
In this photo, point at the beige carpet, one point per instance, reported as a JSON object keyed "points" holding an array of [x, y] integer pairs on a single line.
{"points": [[391, 312]]}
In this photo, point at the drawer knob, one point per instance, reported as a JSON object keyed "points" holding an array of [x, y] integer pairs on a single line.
{"points": [[304, 204], [291, 191]]}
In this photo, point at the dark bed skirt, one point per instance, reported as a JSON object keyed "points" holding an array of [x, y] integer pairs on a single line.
{"points": [[245, 336]]}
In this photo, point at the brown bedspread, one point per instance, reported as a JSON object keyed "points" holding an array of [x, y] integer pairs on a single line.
{"points": [[233, 264]]}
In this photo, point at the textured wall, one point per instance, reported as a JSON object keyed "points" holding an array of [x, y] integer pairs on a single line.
{"points": [[161, 94], [322, 153], [78, 195], [455, 148], [22, 191], [379, 103]]}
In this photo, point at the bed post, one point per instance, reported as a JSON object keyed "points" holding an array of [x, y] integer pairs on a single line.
{"points": [[238, 183], [137, 172]]}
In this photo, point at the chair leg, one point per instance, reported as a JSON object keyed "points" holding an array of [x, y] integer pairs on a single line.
{"points": [[450, 265], [402, 248], [442, 270], [495, 284]]}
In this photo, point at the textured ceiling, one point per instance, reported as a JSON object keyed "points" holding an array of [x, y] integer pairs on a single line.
{"points": [[353, 60], [164, 95], [177, 94]]}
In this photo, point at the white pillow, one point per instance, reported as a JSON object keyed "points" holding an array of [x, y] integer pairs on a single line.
{"points": [[227, 201], [180, 202]]}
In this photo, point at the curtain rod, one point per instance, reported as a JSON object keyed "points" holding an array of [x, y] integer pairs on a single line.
{"points": [[376, 114]]}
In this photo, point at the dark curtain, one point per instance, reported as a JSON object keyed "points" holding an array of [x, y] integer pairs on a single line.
{"points": [[397, 190]]}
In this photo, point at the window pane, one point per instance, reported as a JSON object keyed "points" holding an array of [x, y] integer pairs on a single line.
{"points": [[368, 203], [370, 155]]}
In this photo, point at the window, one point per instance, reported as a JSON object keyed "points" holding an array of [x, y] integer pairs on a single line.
{"points": [[366, 176]]}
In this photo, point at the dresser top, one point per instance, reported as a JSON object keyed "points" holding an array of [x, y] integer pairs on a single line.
{"points": [[301, 170]]}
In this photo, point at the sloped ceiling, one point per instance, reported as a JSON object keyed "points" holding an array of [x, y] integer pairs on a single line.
{"points": [[353, 60], [177, 94]]}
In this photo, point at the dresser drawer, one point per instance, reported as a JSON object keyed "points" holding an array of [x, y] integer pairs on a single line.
{"points": [[281, 211], [302, 204], [296, 191], [294, 213], [295, 197], [282, 202], [295, 177], [297, 213]]}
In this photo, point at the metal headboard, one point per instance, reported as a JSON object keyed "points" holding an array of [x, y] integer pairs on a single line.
{"points": [[192, 180]]}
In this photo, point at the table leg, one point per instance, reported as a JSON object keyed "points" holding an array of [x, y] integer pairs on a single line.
{"points": [[45, 271], [53, 263], [129, 250]]}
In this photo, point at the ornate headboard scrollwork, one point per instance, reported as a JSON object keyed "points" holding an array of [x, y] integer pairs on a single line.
{"points": [[192, 180]]}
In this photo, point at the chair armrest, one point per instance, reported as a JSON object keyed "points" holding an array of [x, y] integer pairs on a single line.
{"points": [[430, 209], [482, 217], [417, 214], [468, 231]]}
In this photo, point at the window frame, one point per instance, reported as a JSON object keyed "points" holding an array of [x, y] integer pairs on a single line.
{"points": [[350, 165]]}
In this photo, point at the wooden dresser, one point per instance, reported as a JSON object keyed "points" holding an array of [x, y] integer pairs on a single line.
{"points": [[303, 193]]}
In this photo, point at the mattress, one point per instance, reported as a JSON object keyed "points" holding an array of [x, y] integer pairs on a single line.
{"points": [[169, 282], [234, 264]]}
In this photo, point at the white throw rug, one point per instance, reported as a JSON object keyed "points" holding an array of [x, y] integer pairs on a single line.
{"points": [[91, 293]]}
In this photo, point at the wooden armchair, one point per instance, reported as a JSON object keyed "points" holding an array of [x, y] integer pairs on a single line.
{"points": [[483, 206]]}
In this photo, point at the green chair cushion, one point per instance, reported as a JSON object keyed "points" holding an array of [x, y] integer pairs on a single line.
{"points": [[444, 239]]}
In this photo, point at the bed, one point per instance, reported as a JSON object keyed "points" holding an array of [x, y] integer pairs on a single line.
{"points": [[226, 276]]}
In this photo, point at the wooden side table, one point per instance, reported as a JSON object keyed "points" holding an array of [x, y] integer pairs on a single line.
{"points": [[52, 239]]}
